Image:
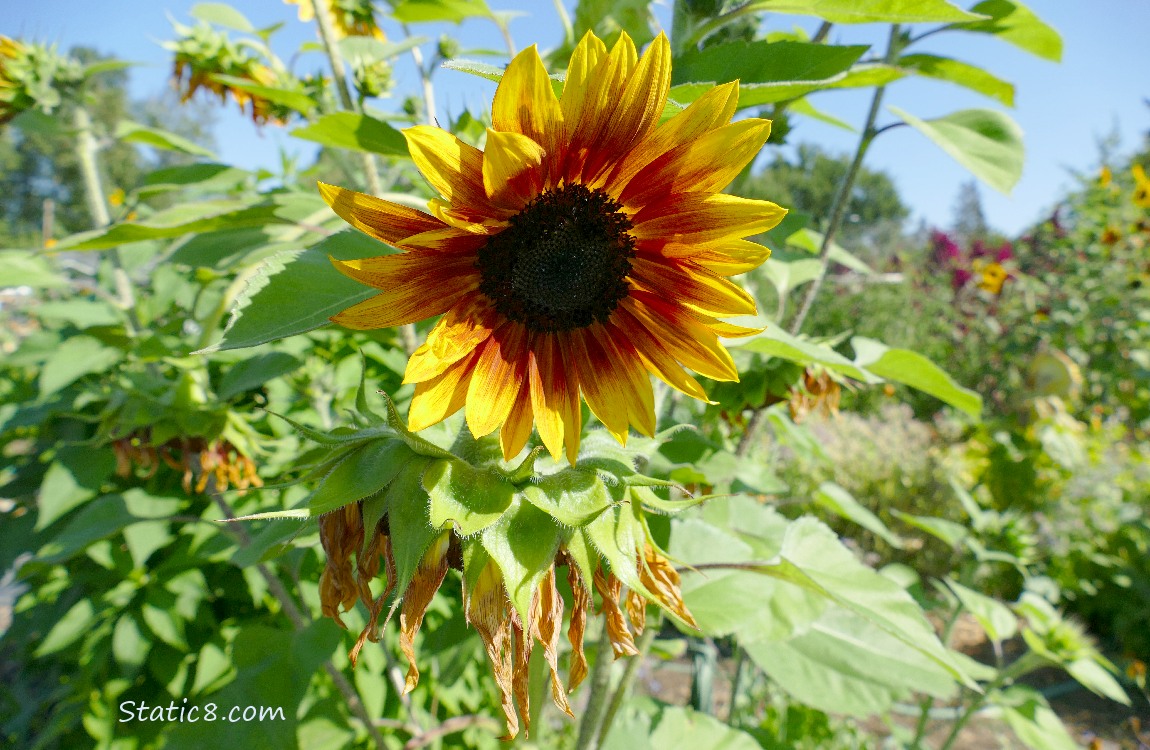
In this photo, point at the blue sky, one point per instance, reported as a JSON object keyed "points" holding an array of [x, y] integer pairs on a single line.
{"points": [[1063, 108]]}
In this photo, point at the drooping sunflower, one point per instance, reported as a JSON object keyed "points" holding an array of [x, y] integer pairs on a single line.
{"points": [[585, 248]]}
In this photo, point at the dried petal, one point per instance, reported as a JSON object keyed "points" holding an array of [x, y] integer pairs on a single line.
{"points": [[547, 622], [581, 600], [609, 588], [662, 580], [486, 609], [426, 581]]}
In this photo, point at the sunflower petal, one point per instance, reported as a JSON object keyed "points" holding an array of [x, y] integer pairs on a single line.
{"points": [[711, 110], [601, 97], [384, 220], [511, 168], [726, 258], [607, 380], [704, 165], [515, 431], [696, 219], [692, 285], [684, 335], [406, 280], [438, 398], [637, 391], [458, 333], [499, 373], [525, 102], [454, 168], [656, 357]]}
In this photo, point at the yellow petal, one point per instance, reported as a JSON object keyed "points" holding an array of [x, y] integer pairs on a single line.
{"points": [[629, 371], [458, 333], [515, 431], [683, 334], [726, 258], [547, 393], [704, 165], [580, 73], [437, 399], [616, 390], [499, 373], [711, 110], [415, 286], [384, 220], [454, 168], [696, 219], [511, 164], [525, 102], [600, 101], [656, 357], [690, 284]]}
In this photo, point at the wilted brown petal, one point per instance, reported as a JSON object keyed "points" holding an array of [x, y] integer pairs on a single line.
{"points": [[340, 533], [609, 588], [547, 623], [426, 581], [486, 609], [637, 611], [581, 600], [521, 669], [661, 579]]}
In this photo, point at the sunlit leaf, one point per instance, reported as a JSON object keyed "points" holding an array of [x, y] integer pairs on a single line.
{"points": [[356, 132], [913, 369], [987, 143], [961, 73], [133, 132], [1013, 22]]}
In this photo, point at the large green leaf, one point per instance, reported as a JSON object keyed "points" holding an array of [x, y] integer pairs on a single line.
{"points": [[23, 268], [913, 369], [254, 372], [870, 11], [356, 132], [464, 497], [986, 142], [103, 517], [455, 11], [674, 728], [764, 62], [297, 291], [133, 132], [837, 500], [844, 664], [75, 477], [522, 543], [775, 342], [1013, 22], [961, 73], [76, 357]]}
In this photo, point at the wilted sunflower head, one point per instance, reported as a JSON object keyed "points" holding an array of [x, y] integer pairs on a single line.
{"points": [[34, 75], [586, 248], [348, 17]]}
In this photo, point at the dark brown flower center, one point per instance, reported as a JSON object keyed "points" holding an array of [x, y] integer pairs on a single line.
{"points": [[562, 262]]}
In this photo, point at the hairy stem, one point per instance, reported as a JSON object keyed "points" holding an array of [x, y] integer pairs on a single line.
{"points": [[597, 699], [339, 73], [623, 689]]}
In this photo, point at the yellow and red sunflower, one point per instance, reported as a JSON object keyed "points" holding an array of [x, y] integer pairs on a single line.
{"points": [[585, 248]]}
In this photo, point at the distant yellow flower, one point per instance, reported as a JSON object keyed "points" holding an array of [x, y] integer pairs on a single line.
{"points": [[1141, 187], [348, 17], [586, 249], [1105, 177], [116, 197], [50, 243], [993, 277], [1110, 235]]}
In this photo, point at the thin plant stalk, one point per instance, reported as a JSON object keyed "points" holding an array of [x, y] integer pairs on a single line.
{"points": [[623, 689], [597, 693]]}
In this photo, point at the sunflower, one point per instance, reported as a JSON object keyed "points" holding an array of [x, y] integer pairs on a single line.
{"points": [[586, 247], [1141, 186], [348, 17]]}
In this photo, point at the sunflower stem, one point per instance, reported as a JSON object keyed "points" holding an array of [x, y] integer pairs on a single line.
{"points": [[846, 187], [623, 689], [339, 73], [424, 79], [565, 19], [596, 700]]}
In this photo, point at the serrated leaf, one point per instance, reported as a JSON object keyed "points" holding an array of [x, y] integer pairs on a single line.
{"points": [[987, 143], [1013, 22], [523, 543], [572, 496], [775, 342], [356, 132], [961, 73], [298, 291], [407, 517], [764, 62], [837, 500], [363, 473], [913, 369], [133, 132], [994, 616], [469, 499], [874, 11]]}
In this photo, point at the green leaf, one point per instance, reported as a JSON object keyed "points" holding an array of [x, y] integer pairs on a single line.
{"points": [[476, 68], [872, 11], [165, 625], [572, 496], [82, 313], [961, 73], [1096, 679], [363, 473], [129, 645], [224, 15], [764, 62], [948, 532], [453, 11], [788, 275], [23, 268], [987, 143], [133, 132], [407, 515], [103, 517], [297, 291], [367, 49], [994, 616], [203, 176], [75, 623], [811, 241], [76, 357], [254, 372], [467, 498], [523, 544], [75, 477], [837, 500], [289, 98], [775, 342], [355, 132], [844, 664], [913, 369], [1015, 23], [675, 728], [804, 107], [1032, 719]]}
